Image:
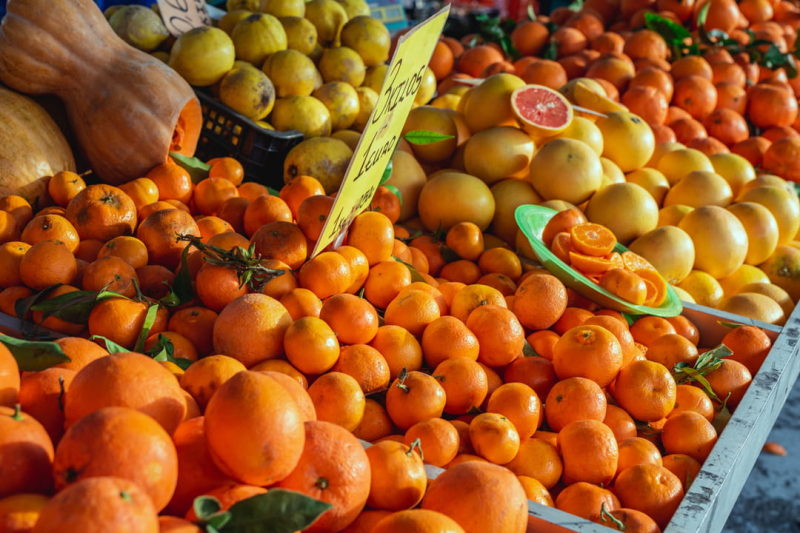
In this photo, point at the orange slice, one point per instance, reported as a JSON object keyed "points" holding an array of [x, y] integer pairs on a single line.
{"points": [[590, 264], [592, 239], [562, 245], [626, 285], [634, 262], [659, 286]]}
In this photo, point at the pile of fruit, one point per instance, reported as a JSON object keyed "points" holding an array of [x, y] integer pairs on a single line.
{"points": [[207, 371]]}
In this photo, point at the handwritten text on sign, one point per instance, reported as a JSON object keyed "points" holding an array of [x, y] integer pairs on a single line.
{"points": [[380, 137], [181, 16]]}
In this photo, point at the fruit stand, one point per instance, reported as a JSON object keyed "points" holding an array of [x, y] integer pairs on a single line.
{"points": [[273, 266]]}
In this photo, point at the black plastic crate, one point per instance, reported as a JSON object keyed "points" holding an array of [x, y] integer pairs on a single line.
{"points": [[226, 133]]}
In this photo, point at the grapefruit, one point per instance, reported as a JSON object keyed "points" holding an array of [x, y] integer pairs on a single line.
{"points": [[625, 208], [783, 207], [783, 269], [566, 169], [540, 110], [627, 139], [498, 153], [761, 228], [675, 164], [409, 178], [703, 288], [720, 240], [429, 118], [734, 169], [489, 104], [508, 195], [452, 197], [669, 249], [583, 129], [590, 98], [699, 188], [755, 306]]}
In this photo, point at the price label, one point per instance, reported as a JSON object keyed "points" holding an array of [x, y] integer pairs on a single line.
{"points": [[181, 16], [380, 137]]}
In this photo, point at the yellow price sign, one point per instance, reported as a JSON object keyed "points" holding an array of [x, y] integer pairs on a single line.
{"points": [[380, 137]]}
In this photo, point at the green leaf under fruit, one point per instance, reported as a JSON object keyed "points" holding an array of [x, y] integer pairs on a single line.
{"points": [[396, 192], [164, 351], [74, 307], [182, 289], [206, 506], [422, 137], [33, 356], [196, 168], [149, 320], [111, 346], [415, 275], [277, 511], [387, 173]]}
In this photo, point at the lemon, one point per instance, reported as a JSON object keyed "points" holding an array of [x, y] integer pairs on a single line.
{"points": [[140, 27], [341, 99], [301, 35], [305, 114], [292, 73], [257, 36], [342, 64], [247, 91], [202, 56], [369, 37], [283, 8]]}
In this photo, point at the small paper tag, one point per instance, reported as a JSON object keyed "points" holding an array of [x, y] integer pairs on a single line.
{"points": [[181, 16]]}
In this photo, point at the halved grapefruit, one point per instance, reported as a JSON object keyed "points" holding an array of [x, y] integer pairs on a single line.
{"points": [[540, 110]]}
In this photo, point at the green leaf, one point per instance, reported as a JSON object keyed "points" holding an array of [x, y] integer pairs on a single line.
{"points": [[182, 285], [219, 520], [111, 346], [415, 275], [277, 511], [531, 12], [722, 417], [528, 351], [729, 325], [551, 51], [73, 307], [448, 254], [196, 168], [422, 137], [399, 195], [703, 15], [387, 172], [672, 33], [32, 356], [149, 320], [274, 192], [164, 351], [206, 506], [22, 307]]}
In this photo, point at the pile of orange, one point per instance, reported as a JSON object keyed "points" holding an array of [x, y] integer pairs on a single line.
{"points": [[469, 360], [589, 249]]}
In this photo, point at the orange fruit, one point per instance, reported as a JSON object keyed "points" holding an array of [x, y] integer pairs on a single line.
{"points": [[646, 390], [539, 301], [591, 352], [574, 399], [651, 489], [397, 476], [586, 500], [689, 433], [505, 511], [366, 365], [255, 405], [39, 396], [24, 442], [464, 382], [333, 468], [134, 447], [500, 335], [104, 383], [102, 212], [311, 345], [128, 504], [255, 338], [339, 399], [399, 348], [376, 423], [353, 319], [413, 398], [519, 403], [589, 451], [437, 437]]}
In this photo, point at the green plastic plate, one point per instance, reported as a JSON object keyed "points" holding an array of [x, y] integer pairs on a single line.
{"points": [[533, 218]]}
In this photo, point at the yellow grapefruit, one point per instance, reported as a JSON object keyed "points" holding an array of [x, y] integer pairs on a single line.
{"points": [[755, 306], [699, 188], [625, 208], [489, 104], [761, 228], [627, 139], [498, 153], [669, 249], [676, 164], [720, 240], [783, 207], [566, 169], [703, 288], [783, 269], [508, 195], [452, 197], [672, 215], [742, 276], [650, 180], [734, 169]]}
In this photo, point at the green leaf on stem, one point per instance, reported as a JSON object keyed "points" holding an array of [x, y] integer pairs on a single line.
{"points": [[32, 356], [423, 137], [149, 320], [197, 169], [111, 346], [277, 511]]}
